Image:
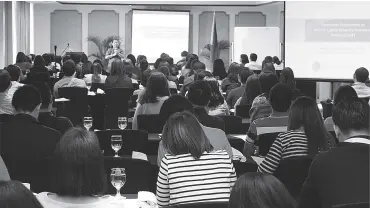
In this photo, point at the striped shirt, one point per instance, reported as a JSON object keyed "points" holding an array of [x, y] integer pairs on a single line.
{"points": [[183, 179], [288, 144]]}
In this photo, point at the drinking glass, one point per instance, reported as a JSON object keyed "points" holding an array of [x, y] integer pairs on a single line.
{"points": [[88, 122], [116, 142], [122, 122], [118, 179]]}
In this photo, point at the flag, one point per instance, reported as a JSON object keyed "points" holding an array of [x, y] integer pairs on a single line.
{"points": [[214, 42]]}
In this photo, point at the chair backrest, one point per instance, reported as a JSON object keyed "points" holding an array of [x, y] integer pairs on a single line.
{"points": [[202, 205], [116, 105], [132, 140], [265, 142], [151, 123], [137, 171], [243, 111], [95, 86], [5, 117], [244, 167], [292, 172], [77, 107], [327, 109], [233, 125], [353, 205]]}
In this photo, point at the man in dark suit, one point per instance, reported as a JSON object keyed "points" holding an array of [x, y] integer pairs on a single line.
{"points": [[23, 137], [341, 175], [199, 95]]}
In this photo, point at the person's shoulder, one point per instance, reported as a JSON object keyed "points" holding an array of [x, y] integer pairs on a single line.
{"points": [[213, 131], [44, 130]]}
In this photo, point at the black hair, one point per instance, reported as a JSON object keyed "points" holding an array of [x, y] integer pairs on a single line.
{"points": [[351, 114], [174, 104], [267, 81], [198, 65], [13, 194], [157, 86], [144, 65], [362, 74], [199, 93], [252, 90], [253, 57], [145, 77], [244, 58], [84, 58], [268, 59], [39, 61], [190, 59], [244, 73], [233, 72], [280, 97], [260, 190], [26, 98], [183, 134], [268, 67], [170, 61], [184, 53], [47, 59], [14, 71], [219, 69], [66, 58], [287, 77], [132, 58], [276, 60], [98, 61], [216, 96], [165, 70], [45, 93], [5, 80], [21, 57], [344, 92], [156, 63], [78, 165], [87, 68], [69, 68], [97, 71]]}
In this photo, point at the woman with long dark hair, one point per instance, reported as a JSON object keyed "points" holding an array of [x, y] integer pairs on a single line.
{"points": [[39, 72], [156, 92], [231, 81], [217, 104], [191, 161], [22, 63], [14, 194], [287, 77], [259, 190], [219, 70], [252, 90], [306, 135], [96, 76], [187, 70], [118, 77]]}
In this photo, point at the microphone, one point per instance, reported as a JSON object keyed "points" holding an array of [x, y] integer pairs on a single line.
{"points": [[68, 45], [55, 50]]}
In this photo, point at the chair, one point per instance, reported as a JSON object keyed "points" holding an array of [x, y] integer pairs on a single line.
{"points": [[137, 171], [265, 142], [354, 205], [233, 125], [151, 123], [116, 105], [243, 111], [132, 140], [292, 172], [244, 167], [77, 107], [327, 108], [202, 205], [95, 86], [236, 143], [5, 117]]}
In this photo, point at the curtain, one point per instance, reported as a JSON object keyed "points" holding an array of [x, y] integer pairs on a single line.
{"points": [[23, 27]]}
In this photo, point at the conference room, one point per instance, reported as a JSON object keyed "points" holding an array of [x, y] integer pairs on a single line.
{"points": [[184, 104]]}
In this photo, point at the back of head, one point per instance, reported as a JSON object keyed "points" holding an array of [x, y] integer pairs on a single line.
{"points": [[39, 61], [21, 57], [260, 190], [132, 58], [268, 59], [87, 67], [157, 86], [200, 74], [26, 99], [164, 56], [362, 74], [198, 65], [117, 68], [219, 66], [199, 93], [140, 58], [145, 77], [78, 165], [66, 58], [184, 54], [174, 104], [305, 113], [216, 97], [14, 194], [287, 77], [47, 59], [183, 134], [144, 65], [69, 68], [267, 81], [244, 73], [233, 72], [165, 70], [170, 61], [252, 90], [253, 57], [344, 92], [5, 80], [268, 67], [276, 60], [45, 93], [14, 71], [280, 97], [84, 58], [351, 114], [244, 58], [190, 59]]}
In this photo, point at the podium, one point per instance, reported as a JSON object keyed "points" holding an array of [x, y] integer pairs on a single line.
{"points": [[75, 56]]}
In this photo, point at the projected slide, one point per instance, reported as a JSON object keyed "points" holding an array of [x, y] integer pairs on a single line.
{"points": [[154, 32], [327, 40]]}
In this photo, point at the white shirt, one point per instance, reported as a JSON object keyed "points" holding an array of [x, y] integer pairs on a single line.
{"points": [[88, 78], [361, 89], [14, 87], [278, 67], [68, 82], [254, 65]]}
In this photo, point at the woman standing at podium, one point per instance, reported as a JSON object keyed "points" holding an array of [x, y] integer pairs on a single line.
{"points": [[114, 53]]}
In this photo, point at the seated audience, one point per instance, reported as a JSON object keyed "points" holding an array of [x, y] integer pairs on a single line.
{"points": [[13, 194], [166, 71], [46, 117], [187, 69], [217, 104], [360, 77], [219, 71], [280, 99], [244, 59], [208, 175], [38, 72], [231, 81], [306, 135], [197, 67], [5, 98], [182, 62], [96, 76], [135, 70], [253, 65], [287, 77], [237, 93], [22, 63], [78, 176], [86, 69], [261, 106], [23, 136], [156, 92], [199, 95], [277, 63], [141, 91], [343, 93], [268, 68], [252, 90], [341, 175], [259, 190], [178, 103], [69, 79], [48, 60], [144, 65], [15, 76], [118, 77]]}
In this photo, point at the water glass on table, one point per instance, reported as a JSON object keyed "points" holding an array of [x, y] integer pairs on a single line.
{"points": [[122, 123], [118, 179], [88, 121], [116, 142]]}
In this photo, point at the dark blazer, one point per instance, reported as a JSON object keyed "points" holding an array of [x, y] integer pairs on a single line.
{"points": [[24, 137], [115, 81], [209, 121], [339, 176], [60, 124]]}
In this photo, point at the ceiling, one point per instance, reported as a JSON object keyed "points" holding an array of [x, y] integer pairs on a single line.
{"points": [[173, 2]]}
